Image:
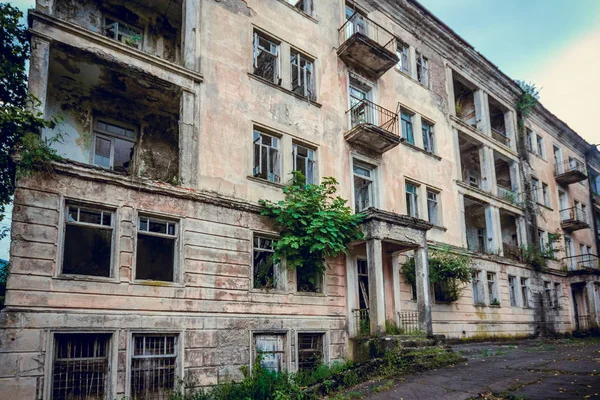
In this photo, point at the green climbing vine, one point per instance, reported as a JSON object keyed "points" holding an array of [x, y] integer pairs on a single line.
{"points": [[315, 223], [448, 272]]}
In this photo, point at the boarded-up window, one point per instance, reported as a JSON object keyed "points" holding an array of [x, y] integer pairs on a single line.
{"points": [[156, 242], [270, 349], [88, 241], [153, 365], [80, 366], [310, 350]]}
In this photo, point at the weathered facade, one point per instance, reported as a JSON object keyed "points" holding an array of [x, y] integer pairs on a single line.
{"points": [[143, 256]]}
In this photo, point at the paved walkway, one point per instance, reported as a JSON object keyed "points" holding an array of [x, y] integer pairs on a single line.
{"points": [[529, 370]]}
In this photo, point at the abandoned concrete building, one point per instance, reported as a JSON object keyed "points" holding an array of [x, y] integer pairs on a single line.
{"points": [[134, 263]]}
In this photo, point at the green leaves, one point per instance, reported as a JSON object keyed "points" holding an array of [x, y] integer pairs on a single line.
{"points": [[315, 223]]}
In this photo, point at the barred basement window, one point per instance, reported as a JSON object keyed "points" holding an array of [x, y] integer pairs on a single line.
{"points": [[87, 241], [156, 243], [80, 366], [153, 365], [310, 351]]}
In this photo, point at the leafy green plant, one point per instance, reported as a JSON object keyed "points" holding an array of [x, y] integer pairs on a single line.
{"points": [[448, 269], [133, 40], [528, 99], [315, 224]]}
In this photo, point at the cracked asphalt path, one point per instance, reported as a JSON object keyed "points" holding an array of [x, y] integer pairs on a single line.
{"points": [[561, 369]]}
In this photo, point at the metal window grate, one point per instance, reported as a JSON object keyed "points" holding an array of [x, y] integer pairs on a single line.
{"points": [[153, 364], [310, 350], [80, 366], [409, 321]]}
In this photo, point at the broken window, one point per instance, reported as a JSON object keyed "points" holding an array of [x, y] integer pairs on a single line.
{"points": [[402, 53], [80, 366], [543, 240], [308, 280], [156, 242], [477, 288], [266, 58], [363, 186], [545, 194], [266, 270], [407, 127], [310, 351], [123, 32], [530, 140], [525, 292], [548, 296], [433, 207], [87, 241], [512, 290], [271, 350], [422, 70], [306, 6], [153, 365], [412, 200], [114, 145], [556, 295], [303, 78], [535, 188], [540, 147], [304, 162], [266, 157], [428, 137], [494, 298]]}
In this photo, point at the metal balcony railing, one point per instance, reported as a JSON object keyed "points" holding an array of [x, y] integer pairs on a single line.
{"points": [[582, 262], [573, 214], [500, 137], [362, 321], [361, 25], [409, 321], [367, 112], [571, 165]]}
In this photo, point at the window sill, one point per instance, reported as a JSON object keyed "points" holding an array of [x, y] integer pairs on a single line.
{"points": [[407, 75], [315, 294], [268, 291], [296, 95], [545, 206], [310, 17], [265, 182], [157, 283], [479, 305], [86, 278], [441, 228], [495, 306], [417, 148]]}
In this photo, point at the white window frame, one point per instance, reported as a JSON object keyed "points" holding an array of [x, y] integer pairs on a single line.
{"points": [[176, 246], [512, 291], [307, 6], [283, 336], [492, 288], [257, 139], [307, 73], [535, 188], [115, 25], [557, 295], [524, 286], [279, 269], [412, 199], [311, 158], [477, 288], [540, 146], [548, 295], [422, 69], [373, 187], [326, 359], [275, 51], [545, 194], [438, 214], [110, 136], [428, 135], [403, 54]]}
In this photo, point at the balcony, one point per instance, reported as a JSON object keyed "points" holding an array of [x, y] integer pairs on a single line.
{"points": [[512, 251], [582, 262], [500, 137], [573, 219], [373, 127], [508, 194], [367, 46], [571, 171]]}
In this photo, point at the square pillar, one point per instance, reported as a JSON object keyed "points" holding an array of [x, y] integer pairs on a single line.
{"points": [[423, 294], [521, 231], [515, 180], [488, 170], [510, 123], [593, 306], [38, 71], [493, 230], [352, 294], [188, 140], [396, 286], [376, 290], [190, 37], [482, 111]]}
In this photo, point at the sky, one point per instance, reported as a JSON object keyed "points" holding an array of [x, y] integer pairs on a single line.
{"points": [[554, 44]]}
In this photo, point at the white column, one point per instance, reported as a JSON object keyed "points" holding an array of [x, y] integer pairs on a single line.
{"points": [[191, 27], [352, 294], [521, 231], [456, 144], [462, 216], [482, 111], [488, 170], [412, 61], [38, 71], [450, 90], [515, 180], [510, 122], [396, 283], [188, 140], [376, 289], [593, 306], [493, 230], [422, 284]]}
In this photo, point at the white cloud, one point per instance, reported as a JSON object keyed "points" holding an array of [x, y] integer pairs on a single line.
{"points": [[570, 85]]}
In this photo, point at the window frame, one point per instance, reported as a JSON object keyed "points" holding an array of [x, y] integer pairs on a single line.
{"points": [[177, 262], [400, 65], [116, 21], [438, 217], [257, 49], [422, 71], [277, 165], [405, 124], [62, 239], [512, 291], [295, 145], [111, 137], [477, 288], [325, 336], [492, 288], [414, 198], [178, 348], [284, 334], [309, 90], [279, 269], [540, 146], [428, 135], [545, 194], [524, 286], [373, 187], [308, 4]]}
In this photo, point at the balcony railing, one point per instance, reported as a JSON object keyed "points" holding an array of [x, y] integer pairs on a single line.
{"points": [[362, 321], [500, 137], [361, 25], [570, 171], [582, 262], [409, 322], [507, 194], [512, 251], [574, 218], [367, 112]]}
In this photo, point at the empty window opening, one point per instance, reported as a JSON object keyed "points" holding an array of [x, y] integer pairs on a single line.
{"points": [[464, 100], [270, 348], [304, 162], [309, 280], [363, 186], [266, 58], [469, 161], [512, 290], [428, 136], [433, 207], [406, 120], [422, 69], [361, 110], [114, 145], [510, 242], [80, 367], [498, 121], [156, 242], [525, 292], [475, 225], [88, 241], [310, 351], [266, 157], [122, 32], [265, 268], [492, 284], [153, 366], [412, 200], [303, 77], [402, 52]]}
